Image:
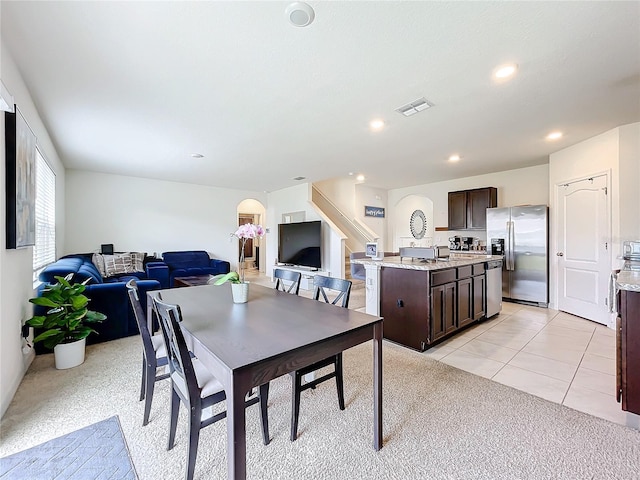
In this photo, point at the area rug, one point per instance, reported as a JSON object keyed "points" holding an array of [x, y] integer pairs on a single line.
{"points": [[94, 452]]}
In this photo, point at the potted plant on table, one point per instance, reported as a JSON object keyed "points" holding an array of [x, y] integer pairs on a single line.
{"points": [[240, 288], [64, 324]]}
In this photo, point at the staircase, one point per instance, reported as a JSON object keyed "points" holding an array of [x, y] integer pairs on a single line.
{"points": [[357, 233]]}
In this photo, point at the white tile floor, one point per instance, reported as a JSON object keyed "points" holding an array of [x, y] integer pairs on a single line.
{"points": [[547, 353]]}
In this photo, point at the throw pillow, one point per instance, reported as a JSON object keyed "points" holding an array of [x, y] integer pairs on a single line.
{"points": [[137, 262], [98, 261], [118, 264]]}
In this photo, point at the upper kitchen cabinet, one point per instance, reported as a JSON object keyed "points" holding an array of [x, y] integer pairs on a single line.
{"points": [[468, 208]]}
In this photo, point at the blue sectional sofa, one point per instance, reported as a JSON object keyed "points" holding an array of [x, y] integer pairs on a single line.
{"points": [[184, 264], [107, 295]]}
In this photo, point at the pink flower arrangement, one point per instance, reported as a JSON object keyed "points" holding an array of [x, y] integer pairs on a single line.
{"points": [[245, 232], [249, 230]]}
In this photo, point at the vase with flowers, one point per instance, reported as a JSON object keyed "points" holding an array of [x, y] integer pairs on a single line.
{"points": [[239, 287]]}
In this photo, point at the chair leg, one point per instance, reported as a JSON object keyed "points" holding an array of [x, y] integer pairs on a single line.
{"points": [[264, 417], [195, 421], [295, 405], [144, 376], [149, 387], [339, 380], [173, 415]]}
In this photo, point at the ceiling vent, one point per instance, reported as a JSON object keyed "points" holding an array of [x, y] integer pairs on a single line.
{"points": [[414, 107], [299, 178]]}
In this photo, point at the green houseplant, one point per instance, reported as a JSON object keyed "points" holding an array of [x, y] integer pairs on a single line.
{"points": [[67, 317]]}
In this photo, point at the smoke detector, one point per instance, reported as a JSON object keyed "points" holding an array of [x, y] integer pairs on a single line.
{"points": [[414, 107], [300, 14]]}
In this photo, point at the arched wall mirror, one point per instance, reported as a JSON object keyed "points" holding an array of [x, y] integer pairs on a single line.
{"points": [[418, 224]]}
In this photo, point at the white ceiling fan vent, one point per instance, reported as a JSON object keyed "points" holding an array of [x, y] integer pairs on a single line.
{"points": [[414, 107]]}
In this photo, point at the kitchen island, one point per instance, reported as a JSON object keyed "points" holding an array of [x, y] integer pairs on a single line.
{"points": [[425, 302], [628, 340]]}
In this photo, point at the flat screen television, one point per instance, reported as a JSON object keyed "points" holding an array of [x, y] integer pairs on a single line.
{"points": [[299, 244]]}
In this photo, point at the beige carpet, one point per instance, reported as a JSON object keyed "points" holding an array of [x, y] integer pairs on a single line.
{"points": [[439, 423]]}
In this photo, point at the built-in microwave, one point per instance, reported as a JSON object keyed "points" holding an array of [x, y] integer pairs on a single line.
{"points": [[631, 250]]}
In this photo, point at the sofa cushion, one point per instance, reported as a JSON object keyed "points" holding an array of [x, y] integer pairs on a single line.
{"points": [[60, 268], [186, 259], [88, 271]]}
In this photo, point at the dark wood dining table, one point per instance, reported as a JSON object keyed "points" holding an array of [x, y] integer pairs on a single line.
{"points": [[274, 333]]}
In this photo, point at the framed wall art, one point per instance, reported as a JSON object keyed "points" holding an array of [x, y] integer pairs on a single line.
{"points": [[20, 159]]}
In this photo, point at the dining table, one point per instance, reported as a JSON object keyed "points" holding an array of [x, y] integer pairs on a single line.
{"points": [[274, 333]]}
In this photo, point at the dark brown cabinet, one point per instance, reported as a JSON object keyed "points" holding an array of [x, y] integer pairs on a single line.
{"points": [[443, 310], [628, 351], [465, 301], [468, 208], [404, 305], [422, 307]]}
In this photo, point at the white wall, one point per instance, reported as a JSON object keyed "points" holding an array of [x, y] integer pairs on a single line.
{"points": [[629, 160], [515, 187], [373, 197], [137, 214], [16, 266]]}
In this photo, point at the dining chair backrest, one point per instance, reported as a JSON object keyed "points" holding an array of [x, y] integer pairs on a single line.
{"points": [[180, 365], [283, 276], [141, 319], [322, 286]]}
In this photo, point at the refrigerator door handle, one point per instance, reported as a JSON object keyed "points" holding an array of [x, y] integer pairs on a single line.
{"points": [[511, 260]]}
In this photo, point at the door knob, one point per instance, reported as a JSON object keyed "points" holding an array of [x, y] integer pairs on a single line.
{"points": [[560, 254]]}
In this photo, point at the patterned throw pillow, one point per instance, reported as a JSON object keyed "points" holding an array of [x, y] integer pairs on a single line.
{"points": [[118, 264], [137, 262], [98, 261]]}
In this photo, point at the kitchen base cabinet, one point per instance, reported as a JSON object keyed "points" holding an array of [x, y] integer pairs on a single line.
{"points": [[628, 351], [465, 301], [423, 307], [404, 305], [443, 311]]}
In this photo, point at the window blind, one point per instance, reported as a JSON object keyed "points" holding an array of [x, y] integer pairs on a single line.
{"points": [[44, 251]]}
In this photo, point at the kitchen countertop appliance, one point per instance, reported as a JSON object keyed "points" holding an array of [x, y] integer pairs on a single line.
{"points": [[524, 231]]}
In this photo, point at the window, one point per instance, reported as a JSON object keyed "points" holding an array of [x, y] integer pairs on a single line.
{"points": [[44, 251]]}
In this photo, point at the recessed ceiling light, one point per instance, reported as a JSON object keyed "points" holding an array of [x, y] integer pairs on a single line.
{"points": [[376, 124], [197, 155], [454, 158], [360, 178], [350, 173], [554, 135], [505, 71]]}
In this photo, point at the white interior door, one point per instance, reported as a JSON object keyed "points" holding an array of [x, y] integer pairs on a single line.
{"points": [[584, 262]]}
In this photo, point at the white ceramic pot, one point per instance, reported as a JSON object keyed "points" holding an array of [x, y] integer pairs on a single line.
{"points": [[69, 355], [240, 292]]}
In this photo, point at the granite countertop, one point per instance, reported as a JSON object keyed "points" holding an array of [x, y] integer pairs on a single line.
{"points": [[628, 280], [416, 264]]}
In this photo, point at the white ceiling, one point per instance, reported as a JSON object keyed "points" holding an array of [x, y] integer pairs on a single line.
{"points": [[133, 88]]}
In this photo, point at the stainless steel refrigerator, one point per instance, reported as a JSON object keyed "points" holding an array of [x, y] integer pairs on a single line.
{"points": [[525, 272]]}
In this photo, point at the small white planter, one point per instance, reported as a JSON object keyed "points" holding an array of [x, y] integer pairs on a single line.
{"points": [[240, 292], [69, 355]]}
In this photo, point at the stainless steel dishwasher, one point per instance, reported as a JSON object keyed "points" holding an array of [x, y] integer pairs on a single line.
{"points": [[494, 287]]}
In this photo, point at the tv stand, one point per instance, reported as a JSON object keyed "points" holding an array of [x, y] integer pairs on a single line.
{"points": [[307, 274]]}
